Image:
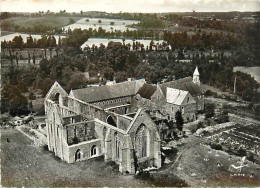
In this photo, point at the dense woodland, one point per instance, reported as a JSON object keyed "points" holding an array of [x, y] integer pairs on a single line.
{"points": [[116, 61]]}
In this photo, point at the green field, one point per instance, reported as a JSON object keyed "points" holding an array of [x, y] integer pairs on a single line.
{"points": [[54, 21]]}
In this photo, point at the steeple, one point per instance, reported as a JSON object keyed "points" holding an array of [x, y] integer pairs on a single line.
{"points": [[196, 76]]}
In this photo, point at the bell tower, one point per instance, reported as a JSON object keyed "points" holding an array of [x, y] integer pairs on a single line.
{"points": [[196, 76]]}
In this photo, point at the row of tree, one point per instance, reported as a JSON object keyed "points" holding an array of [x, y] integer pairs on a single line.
{"points": [[203, 40]]}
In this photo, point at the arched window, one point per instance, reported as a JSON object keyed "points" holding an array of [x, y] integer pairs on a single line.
{"points": [[56, 98], [141, 141], [94, 150], [78, 155], [104, 132], [110, 121]]}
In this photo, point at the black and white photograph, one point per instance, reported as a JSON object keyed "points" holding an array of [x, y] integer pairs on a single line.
{"points": [[130, 93]]}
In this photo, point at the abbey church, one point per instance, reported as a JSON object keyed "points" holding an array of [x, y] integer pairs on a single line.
{"points": [[116, 121]]}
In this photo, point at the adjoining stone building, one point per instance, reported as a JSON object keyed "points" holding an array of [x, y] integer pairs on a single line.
{"points": [[115, 121], [164, 100]]}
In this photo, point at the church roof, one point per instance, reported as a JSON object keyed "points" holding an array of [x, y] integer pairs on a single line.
{"points": [[185, 84], [92, 94], [175, 96], [147, 90]]}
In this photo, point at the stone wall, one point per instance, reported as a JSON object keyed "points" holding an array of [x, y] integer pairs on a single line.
{"points": [[82, 131], [154, 150], [123, 123], [200, 102], [72, 119], [85, 149]]}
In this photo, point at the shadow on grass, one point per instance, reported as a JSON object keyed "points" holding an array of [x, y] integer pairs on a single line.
{"points": [[161, 180]]}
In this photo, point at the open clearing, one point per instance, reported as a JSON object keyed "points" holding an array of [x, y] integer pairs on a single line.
{"points": [[98, 41], [105, 23], [54, 21]]}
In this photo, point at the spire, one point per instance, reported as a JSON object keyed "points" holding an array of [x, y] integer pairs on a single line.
{"points": [[196, 76], [196, 72]]}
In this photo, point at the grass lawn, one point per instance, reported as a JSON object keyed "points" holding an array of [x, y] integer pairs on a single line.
{"points": [[54, 21], [23, 164]]}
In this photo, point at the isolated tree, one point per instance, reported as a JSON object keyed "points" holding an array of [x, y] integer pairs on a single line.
{"points": [[210, 110], [43, 43], [151, 45], [3, 46], [223, 116], [29, 42], [17, 42], [33, 58], [179, 120], [29, 57], [16, 58]]}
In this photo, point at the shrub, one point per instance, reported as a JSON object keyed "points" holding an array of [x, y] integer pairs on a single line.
{"points": [[209, 108], [241, 152], [215, 95], [143, 175], [31, 96], [208, 93], [251, 157], [113, 165], [223, 117], [257, 110], [216, 146], [200, 125], [143, 165]]}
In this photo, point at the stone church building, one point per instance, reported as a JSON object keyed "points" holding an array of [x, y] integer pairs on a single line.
{"points": [[116, 120]]}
